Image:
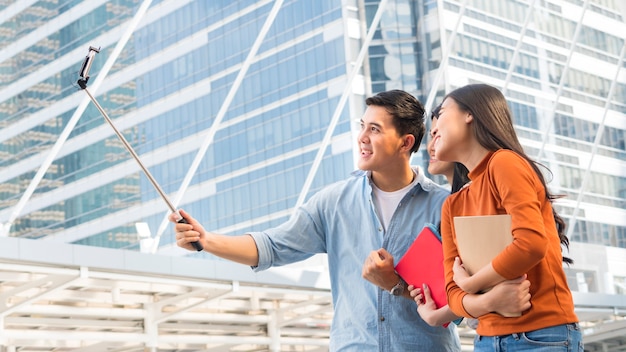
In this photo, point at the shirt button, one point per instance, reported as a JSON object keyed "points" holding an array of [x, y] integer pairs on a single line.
{"points": [[380, 229], [382, 318]]}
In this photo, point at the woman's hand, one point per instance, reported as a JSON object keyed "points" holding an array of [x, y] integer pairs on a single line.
{"points": [[416, 294], [461, 277], [511, 297], [427, 309]]}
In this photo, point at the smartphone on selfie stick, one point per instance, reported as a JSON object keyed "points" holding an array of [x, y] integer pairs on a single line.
{"points": [[82, 82]]}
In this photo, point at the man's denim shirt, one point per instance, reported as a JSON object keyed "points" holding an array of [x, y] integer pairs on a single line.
{"points": [[341, 221]]}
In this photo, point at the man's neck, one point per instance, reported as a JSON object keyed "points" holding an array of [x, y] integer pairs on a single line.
{"points": [[393, 181]]}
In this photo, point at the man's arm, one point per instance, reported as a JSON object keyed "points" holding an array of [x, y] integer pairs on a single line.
{"points": [[241, 249]]}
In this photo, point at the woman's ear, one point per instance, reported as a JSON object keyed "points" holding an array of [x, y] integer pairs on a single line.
{"points": [[469, 118]]}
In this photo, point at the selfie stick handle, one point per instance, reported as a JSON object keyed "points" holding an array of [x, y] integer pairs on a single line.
{"points": [[82, 82]]}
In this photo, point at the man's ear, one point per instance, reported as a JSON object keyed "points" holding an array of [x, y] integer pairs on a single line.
{"points": [[409, 142]]}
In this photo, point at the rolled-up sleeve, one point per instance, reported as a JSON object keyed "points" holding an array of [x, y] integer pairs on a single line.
{"points": [[297, 239]]}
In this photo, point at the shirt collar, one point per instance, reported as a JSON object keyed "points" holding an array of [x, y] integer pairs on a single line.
{"points": [[424, 182]]}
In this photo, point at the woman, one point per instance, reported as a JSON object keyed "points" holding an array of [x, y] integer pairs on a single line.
{"points": [[507, 295], [475, 128], [456, 175]]}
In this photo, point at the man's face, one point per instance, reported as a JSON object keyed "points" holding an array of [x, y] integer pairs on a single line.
{"points": [[381, 148]]}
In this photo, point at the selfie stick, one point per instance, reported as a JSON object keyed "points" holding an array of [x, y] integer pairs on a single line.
{"points": [[82, 82]]}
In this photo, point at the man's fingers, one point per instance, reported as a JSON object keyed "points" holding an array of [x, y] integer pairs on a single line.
{"points": [[188, 235], [378, 257], [384, 255], [373, 258]]}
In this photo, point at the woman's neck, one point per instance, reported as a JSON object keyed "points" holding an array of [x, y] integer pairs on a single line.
{"points": [[474, 157]]}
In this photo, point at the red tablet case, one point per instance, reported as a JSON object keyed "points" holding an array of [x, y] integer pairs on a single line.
{"points": [[423, 263]]}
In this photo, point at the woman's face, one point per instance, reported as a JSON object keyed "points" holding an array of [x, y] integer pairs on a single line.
{"points": [[435, 166], [452, 132]]}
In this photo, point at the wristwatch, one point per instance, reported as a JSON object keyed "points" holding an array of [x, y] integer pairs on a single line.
{"points": [[398, 289]]}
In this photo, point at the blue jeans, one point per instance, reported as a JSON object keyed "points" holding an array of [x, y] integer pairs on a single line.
{"points": [[564, 338]]}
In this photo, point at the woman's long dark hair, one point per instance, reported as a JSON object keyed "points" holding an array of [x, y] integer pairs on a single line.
{"points": [[459, 178], [493, 128]]}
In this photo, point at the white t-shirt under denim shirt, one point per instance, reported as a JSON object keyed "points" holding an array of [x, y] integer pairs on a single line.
{"points": [[387, 202]]}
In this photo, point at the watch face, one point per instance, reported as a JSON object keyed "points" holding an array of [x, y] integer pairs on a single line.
{"points": [[397, 289]]}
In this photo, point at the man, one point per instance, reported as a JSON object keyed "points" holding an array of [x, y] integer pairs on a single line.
{"points": [[349, 219]]}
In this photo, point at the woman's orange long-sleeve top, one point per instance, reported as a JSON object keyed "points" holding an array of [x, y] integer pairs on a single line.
{"points": [[505, 183]]}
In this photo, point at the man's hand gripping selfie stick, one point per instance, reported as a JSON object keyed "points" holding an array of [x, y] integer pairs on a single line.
{"points": [[82, 82]]}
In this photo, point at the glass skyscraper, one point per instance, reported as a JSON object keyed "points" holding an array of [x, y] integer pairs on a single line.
{"points": [[164, 90], [242, 109]]}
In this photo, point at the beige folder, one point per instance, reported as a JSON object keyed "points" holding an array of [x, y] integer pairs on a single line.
{"points": [[480, 238]]}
